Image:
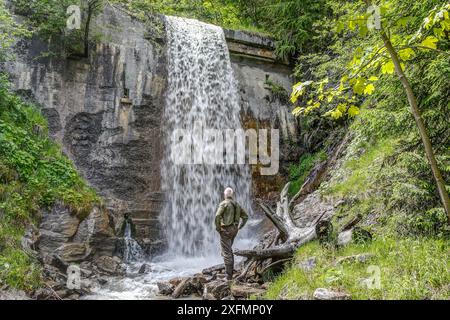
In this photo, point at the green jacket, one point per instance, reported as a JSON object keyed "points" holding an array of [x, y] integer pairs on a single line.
{"points": [[229, 213]]}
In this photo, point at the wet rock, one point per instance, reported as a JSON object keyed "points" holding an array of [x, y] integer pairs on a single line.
{"points": [[308, 265], [176, 281], [145, 269], [165, 288], [73, 252], [246, 290], [325, 294], [359, 258], [214, 270], [216, 290], [109, 265], [181, 289]]}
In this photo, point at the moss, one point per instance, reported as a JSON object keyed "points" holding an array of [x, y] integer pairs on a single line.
{"points": [[409, 269]]}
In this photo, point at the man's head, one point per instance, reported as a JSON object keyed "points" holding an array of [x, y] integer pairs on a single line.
{"points": [[228, 193]]}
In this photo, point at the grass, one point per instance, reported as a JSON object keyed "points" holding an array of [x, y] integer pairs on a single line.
{"points": [[410, 269], [34, 175]]}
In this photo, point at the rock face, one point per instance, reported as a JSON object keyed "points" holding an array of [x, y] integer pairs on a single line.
{"points": [[64, 237], [106, 112]]}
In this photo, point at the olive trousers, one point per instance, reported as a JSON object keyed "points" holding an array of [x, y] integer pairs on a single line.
{"points": [[227, 236]]}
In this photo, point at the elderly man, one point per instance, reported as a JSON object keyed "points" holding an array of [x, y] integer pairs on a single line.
{"points": [[230, 218]]}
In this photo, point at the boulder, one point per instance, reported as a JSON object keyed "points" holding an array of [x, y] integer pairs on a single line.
{"points": [[145, 269], [165, 288], [73, 252], [246, 291], [355, 235], [344, 238], [326, 294], [216, 290], [109, 265]]}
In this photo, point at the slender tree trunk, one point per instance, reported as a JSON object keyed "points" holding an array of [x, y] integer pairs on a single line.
{"points": [[86, 32], [420, 124]]}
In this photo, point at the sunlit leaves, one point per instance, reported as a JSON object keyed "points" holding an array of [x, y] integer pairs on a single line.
{"points": [[370, 88], [298, 90], [388, 68], [353, 111], [359, 86], [430, 42], [406, 54]]}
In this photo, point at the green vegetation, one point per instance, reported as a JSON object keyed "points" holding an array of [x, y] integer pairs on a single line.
{"points": [[49, 18], [34, 175], [384, 174], [298, 173], [409, 269]]}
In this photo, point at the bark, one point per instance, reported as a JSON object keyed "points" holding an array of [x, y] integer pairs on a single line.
{"points": [[284, 234], [420, 125]]}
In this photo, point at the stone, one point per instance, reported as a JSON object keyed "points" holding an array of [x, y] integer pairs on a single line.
{"points": [[108, 265], [73, 252], [57, 226], [145, 269], [355, 235], [216, 290], [308, 265], [13, 294], [246, 291], [344, 238], [165, 288], [359, 258], [326, 294]]}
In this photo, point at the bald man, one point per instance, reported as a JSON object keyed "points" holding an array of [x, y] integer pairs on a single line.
{"points": [[230, 218]]}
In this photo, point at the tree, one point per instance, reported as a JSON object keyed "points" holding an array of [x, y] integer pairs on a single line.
{"points": [[10, 30], [48, 19], [388, 57]]}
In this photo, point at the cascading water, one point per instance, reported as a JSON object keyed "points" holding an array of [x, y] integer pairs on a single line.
{"points": [[132, 250], [202, 92]]}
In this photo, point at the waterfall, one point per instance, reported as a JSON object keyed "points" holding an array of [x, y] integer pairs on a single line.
{"points": [[132, 250], [201, 90]]}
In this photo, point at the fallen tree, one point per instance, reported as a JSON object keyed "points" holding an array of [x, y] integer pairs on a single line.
{"points": [[281, 245]]}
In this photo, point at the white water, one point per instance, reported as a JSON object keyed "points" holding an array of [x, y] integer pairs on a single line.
{"points": [[201, 89], [132, 251]]}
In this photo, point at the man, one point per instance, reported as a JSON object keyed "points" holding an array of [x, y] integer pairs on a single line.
{"points": [[230, 218]]}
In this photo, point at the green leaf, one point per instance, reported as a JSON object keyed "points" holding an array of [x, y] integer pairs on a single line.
{"points": [[430, 42], [406, 54], [388, 68], [359, 86], [353, 111], [370, 88]]}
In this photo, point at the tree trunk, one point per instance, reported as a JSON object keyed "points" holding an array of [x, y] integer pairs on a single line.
{"points": [[420, 124]]}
